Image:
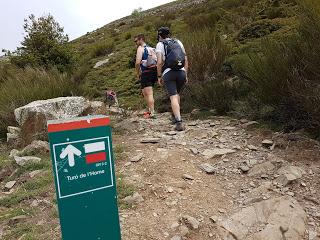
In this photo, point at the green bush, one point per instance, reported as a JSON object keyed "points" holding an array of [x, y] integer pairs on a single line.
{"points": [[257, 30], [201, 21], [286, 74], [206, 54], [44, 45], [215, 93], [127, 36], [209, 86], [22, 86], [102, 48]]}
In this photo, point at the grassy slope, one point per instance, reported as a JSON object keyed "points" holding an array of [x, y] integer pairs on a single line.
{"points": [[40, 222], [228, 17]]}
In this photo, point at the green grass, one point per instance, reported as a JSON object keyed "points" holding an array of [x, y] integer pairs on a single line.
{"points": [[40, 187]]}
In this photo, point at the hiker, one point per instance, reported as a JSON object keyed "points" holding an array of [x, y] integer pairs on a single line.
{"points": [[111, 98], [172, 65], [146, 68]]}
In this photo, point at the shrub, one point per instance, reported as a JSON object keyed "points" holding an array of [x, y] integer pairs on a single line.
{"points": [[22, 86], [44, 45], [136, 12], [210, 86], [201, 21], [206, 54], [286, 75], [257, 30], [127, 36], [102, 48], [215, 93]]}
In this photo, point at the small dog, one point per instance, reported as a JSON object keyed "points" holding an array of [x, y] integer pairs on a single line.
{"points": [[111, 98]]}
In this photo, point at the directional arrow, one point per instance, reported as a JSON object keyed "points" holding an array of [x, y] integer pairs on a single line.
{"points": [[70, 151]]}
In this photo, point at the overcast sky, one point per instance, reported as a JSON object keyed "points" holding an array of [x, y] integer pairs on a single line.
{"points": [[76, 16]]}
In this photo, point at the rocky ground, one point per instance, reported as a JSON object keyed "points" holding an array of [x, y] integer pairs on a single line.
{"points": [[220, 179]]}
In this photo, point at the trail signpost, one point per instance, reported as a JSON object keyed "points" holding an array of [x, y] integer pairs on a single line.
{"points": [[83, 167]]}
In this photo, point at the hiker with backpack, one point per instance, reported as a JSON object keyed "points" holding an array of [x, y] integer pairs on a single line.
{"points": [[172, 68], [146, 68]]}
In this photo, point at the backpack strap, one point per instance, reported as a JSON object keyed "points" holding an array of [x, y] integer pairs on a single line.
{"points": [[165, 46]]}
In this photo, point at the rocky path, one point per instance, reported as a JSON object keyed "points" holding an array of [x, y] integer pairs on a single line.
{"points": [[218, 180]]}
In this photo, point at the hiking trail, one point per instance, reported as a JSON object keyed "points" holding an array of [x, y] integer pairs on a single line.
{"points": [[205, 182]]}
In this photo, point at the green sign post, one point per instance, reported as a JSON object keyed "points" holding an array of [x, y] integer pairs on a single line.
{"points": [[83, 167]]}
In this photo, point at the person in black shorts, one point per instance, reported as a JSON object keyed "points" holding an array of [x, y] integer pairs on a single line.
{"points": [[173, 78], [146, 72]]}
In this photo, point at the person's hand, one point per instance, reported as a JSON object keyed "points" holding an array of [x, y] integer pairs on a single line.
{"points": [[160, 81], [187, 80]]}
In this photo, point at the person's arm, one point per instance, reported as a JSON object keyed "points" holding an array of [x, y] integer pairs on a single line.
{"points": [[159, 67], [138, 61]]}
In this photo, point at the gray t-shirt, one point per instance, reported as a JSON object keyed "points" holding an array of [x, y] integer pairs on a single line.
{"points": [[160, 49]]}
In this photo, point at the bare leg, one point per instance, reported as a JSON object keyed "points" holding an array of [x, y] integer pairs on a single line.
{"points": [[175, 105], [148, 96]]}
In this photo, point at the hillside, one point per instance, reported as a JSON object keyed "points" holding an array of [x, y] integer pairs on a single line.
{"points": [[241, 24]]}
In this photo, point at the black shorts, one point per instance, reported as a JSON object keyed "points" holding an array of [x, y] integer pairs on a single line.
{"points": [[174, 81], [149, 78]]}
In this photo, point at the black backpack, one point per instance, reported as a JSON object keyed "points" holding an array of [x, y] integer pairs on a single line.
{"points": [[175, 56]]}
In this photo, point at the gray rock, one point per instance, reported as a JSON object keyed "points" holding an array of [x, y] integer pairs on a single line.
{"points": [[289, 174], [191, 222], [21, 161], [12, 138], [211, 153], [252, 148], [35, 173], [187, 177], [137, 158], [261, 169], [313, 235], [36, 147], [14, 152], [14, 130], [134, 199], [56, 108], [208, 168], [281, 218], [250, 124], [116, 111], [214, 219], [194, 151], [244, 168], [95, 108], [171, 133], [150, 140], [101, 63], [176, 237], [184, 231], [32, 118], [267, 143], [10, 185]]}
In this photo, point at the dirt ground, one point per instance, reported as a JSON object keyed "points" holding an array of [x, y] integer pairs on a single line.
{"points": [[167, 195]]}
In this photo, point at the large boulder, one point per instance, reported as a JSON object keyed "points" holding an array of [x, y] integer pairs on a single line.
{"points": [[273, 219], [95, 108], [37, 147], [33, 117]]}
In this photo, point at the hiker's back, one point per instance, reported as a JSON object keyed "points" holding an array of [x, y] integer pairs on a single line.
{"points": [[175, 56]]}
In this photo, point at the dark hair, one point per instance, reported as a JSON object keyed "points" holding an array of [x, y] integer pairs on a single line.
{"points": [[140, 36], [164, 32]]}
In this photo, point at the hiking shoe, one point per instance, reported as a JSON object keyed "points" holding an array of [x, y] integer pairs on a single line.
{"points": [[179, 127], [146, 115], [153, 116], [173, 119]]}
